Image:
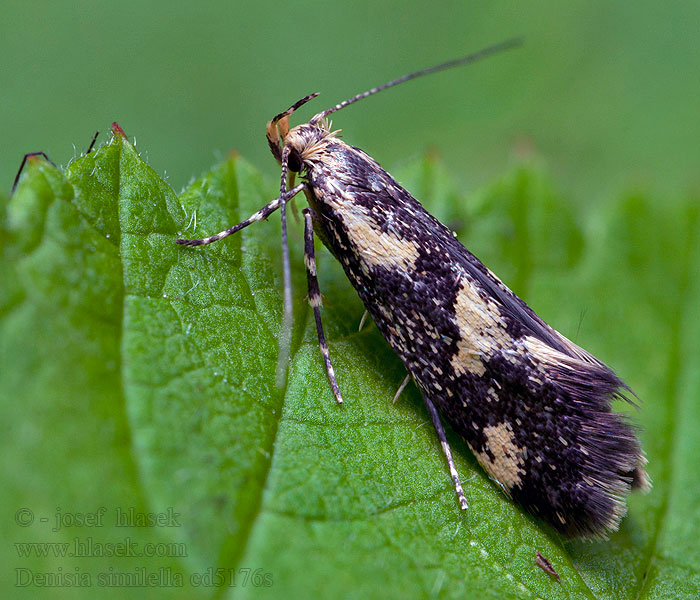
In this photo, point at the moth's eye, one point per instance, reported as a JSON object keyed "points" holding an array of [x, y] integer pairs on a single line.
{"points": [[294, 163]]}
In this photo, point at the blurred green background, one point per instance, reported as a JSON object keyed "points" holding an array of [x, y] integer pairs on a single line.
{"points": [[606, 93]]}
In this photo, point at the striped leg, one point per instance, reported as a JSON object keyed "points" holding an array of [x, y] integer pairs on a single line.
{"points": [[315, 297], [263, 213], [285, 337], [446, 449]]}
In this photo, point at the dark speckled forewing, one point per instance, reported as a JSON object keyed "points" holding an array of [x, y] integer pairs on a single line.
{"points": [[533, 407]]}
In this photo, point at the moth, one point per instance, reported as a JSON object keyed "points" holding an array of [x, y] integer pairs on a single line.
{"points": [[533, 407]]}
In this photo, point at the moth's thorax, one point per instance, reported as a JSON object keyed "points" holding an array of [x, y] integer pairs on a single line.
{"points": [[309, 139]]}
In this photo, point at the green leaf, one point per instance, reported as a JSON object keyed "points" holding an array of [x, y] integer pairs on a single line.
{"points": [[137, 374]]}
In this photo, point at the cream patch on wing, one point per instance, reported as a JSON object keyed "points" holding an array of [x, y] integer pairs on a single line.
{"points": [[376, 247], [508, 460], [482, 330]]}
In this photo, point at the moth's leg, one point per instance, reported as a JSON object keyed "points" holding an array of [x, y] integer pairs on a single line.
{"points": [[315, 297], [263, 213], [446, 449], [285, 337], [25, 158], [362, 320], [403, 385]]}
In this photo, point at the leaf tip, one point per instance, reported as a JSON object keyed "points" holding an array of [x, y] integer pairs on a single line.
{"points": [[117, 130]]}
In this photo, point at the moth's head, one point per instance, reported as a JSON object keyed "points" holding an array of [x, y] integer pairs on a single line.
{"points": [[301, 140]]}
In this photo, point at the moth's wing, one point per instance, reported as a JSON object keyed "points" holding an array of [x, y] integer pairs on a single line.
{"points": [[566, 393]]}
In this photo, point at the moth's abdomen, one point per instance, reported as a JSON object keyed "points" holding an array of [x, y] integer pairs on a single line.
{"points": [[546, 433], [534, 408]]}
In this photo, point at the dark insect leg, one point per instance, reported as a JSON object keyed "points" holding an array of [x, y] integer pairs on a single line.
{"points": [[446, 449], [403, 385], [92, 143], [263, 213], [24, 162], [315, 297]]}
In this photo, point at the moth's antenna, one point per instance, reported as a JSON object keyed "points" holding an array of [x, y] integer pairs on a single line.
{"points": [[465, 60]]}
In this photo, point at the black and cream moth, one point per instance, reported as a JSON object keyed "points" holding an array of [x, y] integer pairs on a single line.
{"points": [[534, 408]]}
